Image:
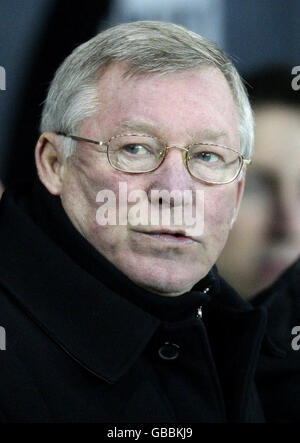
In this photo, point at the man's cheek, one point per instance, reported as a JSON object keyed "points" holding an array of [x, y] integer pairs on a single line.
{"points": [[107, 237], [218, 215]]}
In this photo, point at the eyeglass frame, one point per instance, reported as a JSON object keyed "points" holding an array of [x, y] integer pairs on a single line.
{"points": [[243, 160]]}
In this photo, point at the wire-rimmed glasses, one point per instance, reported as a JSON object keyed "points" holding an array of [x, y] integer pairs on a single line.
{"points": [[136, 154]]}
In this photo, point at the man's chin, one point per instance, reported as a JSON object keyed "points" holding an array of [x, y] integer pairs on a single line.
{"points": [[168, 287]]}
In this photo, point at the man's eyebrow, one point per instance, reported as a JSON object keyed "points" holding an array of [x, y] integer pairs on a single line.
{"points": [[207, 134], [138, 126]]}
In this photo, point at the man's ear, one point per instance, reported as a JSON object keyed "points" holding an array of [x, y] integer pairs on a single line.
{"points": [[50, 162], [239, 196]]}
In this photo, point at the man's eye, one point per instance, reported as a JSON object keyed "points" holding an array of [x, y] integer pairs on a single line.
{"points": [[208, 157], [135, 149]]}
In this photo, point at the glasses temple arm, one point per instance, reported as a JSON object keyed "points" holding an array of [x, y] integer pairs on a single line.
{"points": [[80, 139]]}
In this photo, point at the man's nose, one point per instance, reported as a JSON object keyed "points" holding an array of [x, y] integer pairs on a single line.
{"points": [[173, 174]]}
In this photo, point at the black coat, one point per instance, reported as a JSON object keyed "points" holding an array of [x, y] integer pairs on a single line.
{"points": [[79, 351], [278, 380]]}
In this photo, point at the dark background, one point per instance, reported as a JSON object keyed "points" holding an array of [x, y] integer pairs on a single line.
{"points": [[36, 35]]}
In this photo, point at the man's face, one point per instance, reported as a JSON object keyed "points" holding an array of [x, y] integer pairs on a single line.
{"points": [[179, 108], [266, 237]]}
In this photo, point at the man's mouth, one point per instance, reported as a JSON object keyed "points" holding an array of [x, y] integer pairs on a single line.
{"points": [[175, 237]]}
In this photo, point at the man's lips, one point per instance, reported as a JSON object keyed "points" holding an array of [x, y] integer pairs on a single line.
{"points": [[174, 236]]}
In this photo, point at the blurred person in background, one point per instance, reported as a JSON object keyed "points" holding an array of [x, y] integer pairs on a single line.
{"points": [[1, 189], [266, 237]]}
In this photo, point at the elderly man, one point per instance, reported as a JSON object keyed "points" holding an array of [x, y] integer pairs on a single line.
{"points": [[118, 315]]}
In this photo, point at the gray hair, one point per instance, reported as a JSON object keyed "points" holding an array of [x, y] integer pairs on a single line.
{"points": [[147, 47]]}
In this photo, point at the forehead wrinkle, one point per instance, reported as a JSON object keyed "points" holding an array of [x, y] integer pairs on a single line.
{"points": [[149, 128]]}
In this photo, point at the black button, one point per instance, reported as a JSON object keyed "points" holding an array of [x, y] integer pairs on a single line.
{"points": [[169, 351]]}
